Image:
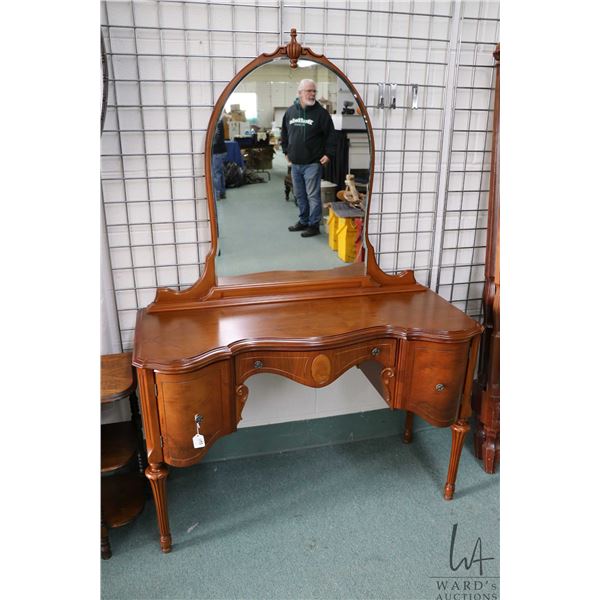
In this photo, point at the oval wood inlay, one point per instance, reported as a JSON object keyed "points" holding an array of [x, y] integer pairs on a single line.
{"points": [[321, 369]]}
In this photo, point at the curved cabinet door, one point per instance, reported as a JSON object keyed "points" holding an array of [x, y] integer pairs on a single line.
{"points": [[205, 392], [435, 379]]}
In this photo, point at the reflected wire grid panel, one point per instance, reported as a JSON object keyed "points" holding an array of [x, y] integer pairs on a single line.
{"points": [[402, 48], [168, 62], [461, 274]]}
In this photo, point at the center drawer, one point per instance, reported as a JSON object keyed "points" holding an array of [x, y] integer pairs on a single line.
{"points": [[315, 368]]}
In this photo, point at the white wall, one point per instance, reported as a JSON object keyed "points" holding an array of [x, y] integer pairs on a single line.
{"points": [[427, 213]]}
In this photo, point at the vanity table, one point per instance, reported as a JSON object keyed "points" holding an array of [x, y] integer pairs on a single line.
{"points": [[195, 349]]}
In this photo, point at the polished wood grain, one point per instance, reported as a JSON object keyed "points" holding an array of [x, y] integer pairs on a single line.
{"points": [[206, 392], [157, 475], [175, 341], [434, 376], [486, 397], [147, 389], [459, 432], [196, 348], [317, 368], [117, 379]]}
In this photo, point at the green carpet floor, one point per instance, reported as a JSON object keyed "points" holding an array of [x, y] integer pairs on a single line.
{"points": [[365, 519], [253, 230]]}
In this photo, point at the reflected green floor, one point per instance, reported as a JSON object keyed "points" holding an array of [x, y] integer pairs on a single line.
{"points": [[355, 520], [253, 230]]}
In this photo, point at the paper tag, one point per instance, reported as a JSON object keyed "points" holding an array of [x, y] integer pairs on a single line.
{"points": [[198, 440]]}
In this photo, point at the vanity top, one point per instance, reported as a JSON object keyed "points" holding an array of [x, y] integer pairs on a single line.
{"points": [[183, 339]]}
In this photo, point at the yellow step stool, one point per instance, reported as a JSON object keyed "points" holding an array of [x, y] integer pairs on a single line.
{"points": [[346, 238]]}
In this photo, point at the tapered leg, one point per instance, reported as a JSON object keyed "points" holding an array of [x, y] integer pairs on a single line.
{"points": [[105, 550], [459, 431], [157, 475], [408, 428]]}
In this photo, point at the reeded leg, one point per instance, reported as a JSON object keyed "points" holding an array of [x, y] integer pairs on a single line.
{"points": [[105, 550], [157, 475], [408, 428], [459, 431]]}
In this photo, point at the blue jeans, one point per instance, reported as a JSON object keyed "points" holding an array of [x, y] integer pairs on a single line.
{"points": [[218, 174], [307, 189]]}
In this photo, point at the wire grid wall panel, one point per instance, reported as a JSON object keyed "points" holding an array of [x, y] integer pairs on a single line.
{"points": [[401, 44], [461, 276], [168, 63]]}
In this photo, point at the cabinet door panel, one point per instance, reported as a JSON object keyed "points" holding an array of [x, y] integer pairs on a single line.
{"points": [[435, 376], [205, 392]]}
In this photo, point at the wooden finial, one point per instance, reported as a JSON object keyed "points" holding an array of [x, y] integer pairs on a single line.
{"points": [[293, 49]]}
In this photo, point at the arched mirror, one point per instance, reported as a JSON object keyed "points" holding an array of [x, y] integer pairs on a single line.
{"points": [[253, 188], [252, 250]]}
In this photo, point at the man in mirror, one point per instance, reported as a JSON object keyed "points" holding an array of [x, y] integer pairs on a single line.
{"points": [[308, 142]]}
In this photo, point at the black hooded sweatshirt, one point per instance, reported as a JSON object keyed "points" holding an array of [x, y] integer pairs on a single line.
{"points": [[307, 134]]}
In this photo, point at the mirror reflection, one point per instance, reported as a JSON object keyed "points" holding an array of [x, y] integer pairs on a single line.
{"points": [[290, 171]]}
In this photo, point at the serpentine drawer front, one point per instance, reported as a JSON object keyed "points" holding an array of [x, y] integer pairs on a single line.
{"points": [[205, 392], [435, 377], [315, 368]]}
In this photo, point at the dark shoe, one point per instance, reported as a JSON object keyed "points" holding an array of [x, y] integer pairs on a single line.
{"points": [[297, 227], [222, 196], [310, 231]]}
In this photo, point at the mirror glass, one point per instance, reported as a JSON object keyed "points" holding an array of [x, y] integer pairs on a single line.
{"points": [[254, 193]]}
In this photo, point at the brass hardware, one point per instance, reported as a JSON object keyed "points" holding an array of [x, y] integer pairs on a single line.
{"points": [[258, 364], [440, 387], [376, 351]]}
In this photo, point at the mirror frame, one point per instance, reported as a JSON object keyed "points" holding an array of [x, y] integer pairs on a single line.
{"points": [[210, 287]]}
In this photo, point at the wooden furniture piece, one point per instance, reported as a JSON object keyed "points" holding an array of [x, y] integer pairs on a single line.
{"points": [[486, 391], [123, 493], [195, 349]]}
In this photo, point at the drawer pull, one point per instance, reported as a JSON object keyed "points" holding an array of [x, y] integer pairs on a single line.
{"points": [[440, 387], [258, 364], [376, 351]]}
